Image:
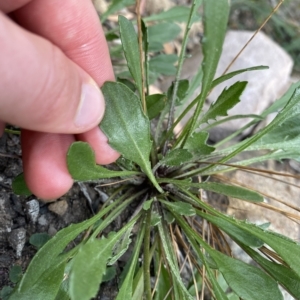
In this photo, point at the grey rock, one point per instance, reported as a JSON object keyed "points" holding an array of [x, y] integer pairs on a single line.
{"points": [[17, 239], [32, 209], [5, 217], [264, 86], [42, 220]]}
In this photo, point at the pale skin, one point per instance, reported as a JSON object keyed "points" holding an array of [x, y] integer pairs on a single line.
{"points": [[53, 58]]}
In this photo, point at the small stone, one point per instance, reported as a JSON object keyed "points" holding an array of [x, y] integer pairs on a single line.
{"points": [[52, 230], [42, 220], [59, 207], [17, 239], [33, 209]]}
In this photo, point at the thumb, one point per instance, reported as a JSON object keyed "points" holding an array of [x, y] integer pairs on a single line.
{"points": [[42, 89]]}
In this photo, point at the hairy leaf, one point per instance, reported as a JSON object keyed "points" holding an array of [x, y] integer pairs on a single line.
{"points": [[181, 208], [230, 191], [197, 144], [155, 104], [89, 266], [232, 229], [227, 100], [82, 165], [46, 288], [171, 258], [126, 126], [176, 157], [234, 73], [125, 291], [248, 282], [44, 260], [131, 50], [285, 276], [285, 247], [121, 246]]}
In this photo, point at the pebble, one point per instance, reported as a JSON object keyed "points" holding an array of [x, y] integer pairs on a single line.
{"points": [[59, 207], [17, 239], [33, 209]]}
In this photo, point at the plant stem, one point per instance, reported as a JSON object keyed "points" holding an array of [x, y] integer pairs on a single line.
{"points": [[140, 39], [147, 259], [178, 73]]}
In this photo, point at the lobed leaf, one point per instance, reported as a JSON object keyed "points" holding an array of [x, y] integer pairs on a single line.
{"points": [[197, 144], [82, 165], [227, 100], [126, 126], [176, 157]]}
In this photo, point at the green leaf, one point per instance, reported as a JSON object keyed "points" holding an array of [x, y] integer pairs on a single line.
{"points": [[47, 286], [82, 165], [171, 258], [285, 247], [155, 104], [227, 100], [230, 191], [39, 239], [176, 157], [45, 258], [182, 89], [197, 144], [89, 266], [121, 246], [110, 274], [125, 291], [131, 50], [174, 14], [115, 6], [248, 282], [5, 292], [147, 204], [285, 276], [232, 229], [215, 25], [19, 186], [155, 218], [181, 208], [234, 73], [128, 83], [15, 273], [161, 33], [126, 126], [163, 64]]}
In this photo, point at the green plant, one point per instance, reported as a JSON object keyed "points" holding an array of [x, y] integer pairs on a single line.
{"points": [[166, 175]]}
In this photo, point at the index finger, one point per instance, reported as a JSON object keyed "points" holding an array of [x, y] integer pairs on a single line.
{"points": [[73, 26]]}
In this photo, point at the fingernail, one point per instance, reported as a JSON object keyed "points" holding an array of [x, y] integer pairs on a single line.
{"points": [[91, 106]]}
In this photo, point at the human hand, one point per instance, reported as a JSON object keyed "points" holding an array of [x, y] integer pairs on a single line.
{"points": [[50, 51]]}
